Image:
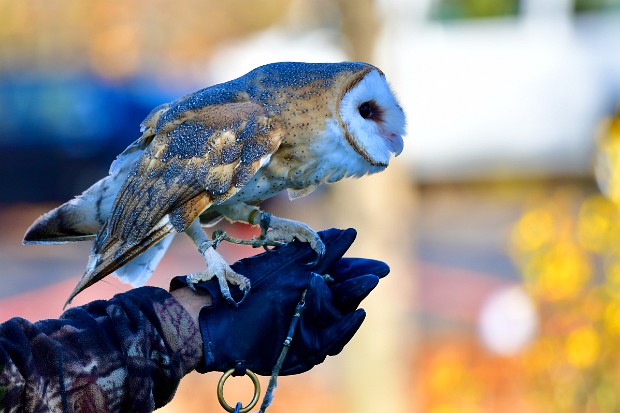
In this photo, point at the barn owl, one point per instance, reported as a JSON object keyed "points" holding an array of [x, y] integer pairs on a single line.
{"points": [[220, 152]]}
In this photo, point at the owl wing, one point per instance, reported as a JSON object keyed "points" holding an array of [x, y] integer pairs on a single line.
{"points": [[198, 159]]}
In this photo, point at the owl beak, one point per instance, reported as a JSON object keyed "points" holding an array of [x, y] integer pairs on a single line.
{"points": [[395, 143]]}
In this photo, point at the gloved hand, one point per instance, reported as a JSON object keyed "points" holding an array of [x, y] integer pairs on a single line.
{"points": [[252, 334]]}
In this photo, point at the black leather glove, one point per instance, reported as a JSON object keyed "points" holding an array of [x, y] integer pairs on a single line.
{"points": [[252, 334]]}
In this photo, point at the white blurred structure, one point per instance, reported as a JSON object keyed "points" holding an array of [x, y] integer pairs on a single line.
{"points": [[512, 96], [273, 45], [299, 37]]}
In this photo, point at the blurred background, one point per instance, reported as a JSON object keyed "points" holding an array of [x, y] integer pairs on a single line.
{"points": [[504, 294]]}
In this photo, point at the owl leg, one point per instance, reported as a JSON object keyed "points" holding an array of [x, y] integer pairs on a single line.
{"points": [[216, 266], [275, 229]]}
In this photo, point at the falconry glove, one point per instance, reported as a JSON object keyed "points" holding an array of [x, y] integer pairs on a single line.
{"points": [[252, 335]]}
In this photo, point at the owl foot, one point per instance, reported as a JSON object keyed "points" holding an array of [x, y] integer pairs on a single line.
{"points": [[236, 279], [218, 268], [280, 230]]}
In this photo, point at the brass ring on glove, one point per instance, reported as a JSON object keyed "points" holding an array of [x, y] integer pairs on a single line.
{"points": [[220, 391]]}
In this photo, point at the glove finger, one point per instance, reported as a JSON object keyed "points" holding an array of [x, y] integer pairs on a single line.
{"points": [[319, 309], [339, 334], [337, 242], [178, 282], [347, 268], [349, 294]]}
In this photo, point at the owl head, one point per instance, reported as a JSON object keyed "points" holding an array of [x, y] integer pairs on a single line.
{"points": [[356, 95], [372, 120]]}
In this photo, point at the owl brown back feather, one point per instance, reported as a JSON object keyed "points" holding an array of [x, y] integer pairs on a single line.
{"points": [[212, 155], [204, 160]]}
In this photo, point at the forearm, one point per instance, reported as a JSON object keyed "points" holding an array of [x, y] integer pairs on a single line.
{"points": [[125, 354]]}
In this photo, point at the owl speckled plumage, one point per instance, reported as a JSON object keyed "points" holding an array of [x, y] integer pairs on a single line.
{"points": [[220, 152]]}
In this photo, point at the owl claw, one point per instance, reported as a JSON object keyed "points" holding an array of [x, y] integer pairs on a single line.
{"points": [[218, 268], [276, 230], [319, 248], [191, 284], [243, 282], [237, 279]]}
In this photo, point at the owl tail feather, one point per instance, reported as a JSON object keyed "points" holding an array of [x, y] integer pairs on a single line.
{"points": [[81, 218], [61, 225], [78, 219], [119, 254]]}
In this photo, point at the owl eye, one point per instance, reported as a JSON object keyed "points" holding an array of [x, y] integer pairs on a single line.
{"points": [[370, 110]]}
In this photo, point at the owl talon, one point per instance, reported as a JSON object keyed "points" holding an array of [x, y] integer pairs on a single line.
{"points": [[228, 297], [245, 294], [223, 280], [238, 279], [190, 284], [276, 231], [319, 248]]}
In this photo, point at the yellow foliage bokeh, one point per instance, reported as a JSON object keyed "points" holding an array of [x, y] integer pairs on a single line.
{"points": [[582, 347]]}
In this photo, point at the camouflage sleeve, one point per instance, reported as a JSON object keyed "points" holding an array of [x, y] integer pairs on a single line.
{"points": [[125, 354]]}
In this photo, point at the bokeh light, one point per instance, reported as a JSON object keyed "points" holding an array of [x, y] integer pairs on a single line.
{"points": [[508, 321]]}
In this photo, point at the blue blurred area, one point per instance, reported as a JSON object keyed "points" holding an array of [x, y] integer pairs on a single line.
{"points": [[58, 133]]}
